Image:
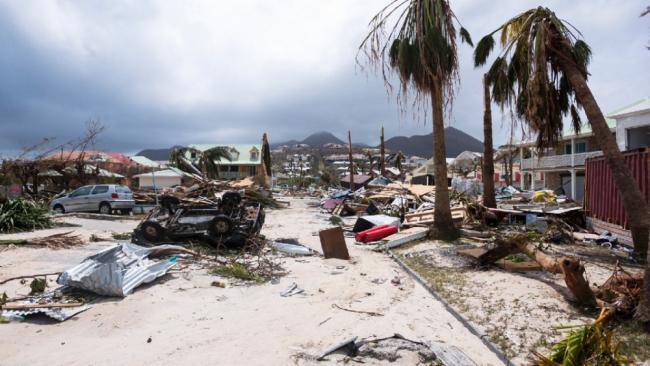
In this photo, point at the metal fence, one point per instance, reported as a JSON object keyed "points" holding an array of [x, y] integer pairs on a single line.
{"points": [[602, 198]]}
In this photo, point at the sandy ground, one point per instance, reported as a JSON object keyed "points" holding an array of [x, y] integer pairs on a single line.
{"points": [[519, 312], [191, 322]]}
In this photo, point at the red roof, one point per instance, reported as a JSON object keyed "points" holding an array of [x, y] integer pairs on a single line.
{"points": [[95, 156]]}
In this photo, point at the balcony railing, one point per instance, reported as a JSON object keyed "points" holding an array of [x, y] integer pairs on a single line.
{"points": [[557, 161]]}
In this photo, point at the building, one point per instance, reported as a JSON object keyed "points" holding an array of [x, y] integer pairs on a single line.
{"points": [[246, 160], [163, 178], [562, 168], [633, 125]]}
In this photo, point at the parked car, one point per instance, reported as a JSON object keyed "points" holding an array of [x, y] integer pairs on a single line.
{"points": [[104, 198]]}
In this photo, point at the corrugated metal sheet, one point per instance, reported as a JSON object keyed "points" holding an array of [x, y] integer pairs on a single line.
{"points": [[116, 271], [602, 198], [59, 314]]}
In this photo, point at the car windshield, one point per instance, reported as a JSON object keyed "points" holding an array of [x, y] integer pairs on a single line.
{"points": [[122, 189], [81, 191]]}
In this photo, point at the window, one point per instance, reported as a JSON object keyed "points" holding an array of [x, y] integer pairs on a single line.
{"points": [[234, 168], [100, 189], [252, 170], [122, 189], [83, 191], [581, 147]]}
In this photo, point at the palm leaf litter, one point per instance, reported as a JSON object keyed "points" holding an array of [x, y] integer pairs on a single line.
{"points": [[23, 215], [55, 241]]}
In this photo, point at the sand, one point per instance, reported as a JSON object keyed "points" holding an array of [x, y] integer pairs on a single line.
{"points": [[182, 320]]}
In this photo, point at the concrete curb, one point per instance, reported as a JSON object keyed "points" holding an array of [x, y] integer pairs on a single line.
{"points": [[466, 323]]}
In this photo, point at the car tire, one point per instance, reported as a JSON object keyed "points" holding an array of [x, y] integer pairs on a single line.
{"points": [[220, 226], [105, 208], [125, 211], [152, 231], [58, 209]]}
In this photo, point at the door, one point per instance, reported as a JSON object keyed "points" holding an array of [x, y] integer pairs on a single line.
{"points": [[98, 195], [78, 199]]}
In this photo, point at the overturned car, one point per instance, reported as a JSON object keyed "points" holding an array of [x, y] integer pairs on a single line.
{"points": [[228, 222]]}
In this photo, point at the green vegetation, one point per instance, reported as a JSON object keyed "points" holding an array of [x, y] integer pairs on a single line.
{"points": [[23, 215], [591, 344], [236, 270], [121, 236], [38, 285]]}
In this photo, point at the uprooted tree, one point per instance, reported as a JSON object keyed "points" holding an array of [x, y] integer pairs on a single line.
{"points": [[620, 294]]}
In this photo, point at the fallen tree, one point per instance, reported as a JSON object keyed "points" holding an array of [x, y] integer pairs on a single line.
{"points": [[620, 293]]}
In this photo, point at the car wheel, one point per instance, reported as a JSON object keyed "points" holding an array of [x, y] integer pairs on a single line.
{"points": [[152, 231], [58, 209], [220, 226], [125, 211], [105, 208]]}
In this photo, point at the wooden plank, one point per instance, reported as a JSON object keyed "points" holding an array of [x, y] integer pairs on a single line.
{"points": [[333, 243]]}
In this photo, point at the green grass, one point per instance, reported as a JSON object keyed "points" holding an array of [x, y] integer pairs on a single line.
{"points": [[235, 270]]}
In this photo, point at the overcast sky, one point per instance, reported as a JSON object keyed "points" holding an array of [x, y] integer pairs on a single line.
{"points": [[161, 73]]}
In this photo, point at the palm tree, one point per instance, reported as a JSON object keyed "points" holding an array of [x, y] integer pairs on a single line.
{"points": [[178, 159], [542, 74], [201, 162], [421, 49], [489, 199], [209, 158]]}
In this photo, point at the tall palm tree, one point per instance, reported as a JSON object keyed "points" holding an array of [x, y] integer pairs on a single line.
{"points": [[489, 199], [420, 47], [542, 74]]}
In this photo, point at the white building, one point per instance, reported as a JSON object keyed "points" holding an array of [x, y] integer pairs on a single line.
{"points": [[633, 125], [163, 178]]}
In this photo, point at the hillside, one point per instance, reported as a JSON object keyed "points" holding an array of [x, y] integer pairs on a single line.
{"points": [[456, 141]]}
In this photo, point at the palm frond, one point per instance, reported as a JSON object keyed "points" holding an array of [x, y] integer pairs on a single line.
{"points": [[534, 45], [465, 36], [483, 50]]}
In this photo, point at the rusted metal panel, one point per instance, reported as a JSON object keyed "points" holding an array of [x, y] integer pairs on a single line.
{"points": [[602, 198]]}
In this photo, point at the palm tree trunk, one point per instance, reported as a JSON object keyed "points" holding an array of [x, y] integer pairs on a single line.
{"points": [[488, 152], [634, 203], [444, 225]]}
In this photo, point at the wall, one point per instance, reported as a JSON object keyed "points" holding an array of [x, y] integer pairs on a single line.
{"points": [[625, 123], [602, 198], [161, 182]]}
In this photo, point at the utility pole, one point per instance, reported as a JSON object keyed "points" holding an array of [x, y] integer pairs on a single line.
{"points": [[350, 158], [382, 151]]}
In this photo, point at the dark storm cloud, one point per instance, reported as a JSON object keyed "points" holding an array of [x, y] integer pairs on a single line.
{"points": [[157, 74]]}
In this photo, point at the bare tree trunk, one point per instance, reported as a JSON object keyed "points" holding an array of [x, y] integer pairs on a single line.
{"points": [[351, 163], [634, 203], [444, 224], [488, 152], [382, 151]]}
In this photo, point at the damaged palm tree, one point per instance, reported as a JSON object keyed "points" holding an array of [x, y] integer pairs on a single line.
{"points": [[421, 49], [542, 74]]}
